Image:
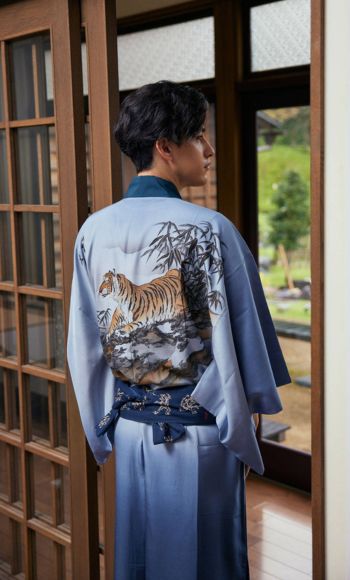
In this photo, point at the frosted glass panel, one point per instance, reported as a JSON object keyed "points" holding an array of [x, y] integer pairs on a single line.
{"points": [[280, 34], [178, 52]]}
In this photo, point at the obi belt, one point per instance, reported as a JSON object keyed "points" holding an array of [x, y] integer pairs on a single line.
{"points": [[167, 410]]}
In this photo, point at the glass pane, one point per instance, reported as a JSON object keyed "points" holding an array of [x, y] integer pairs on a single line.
{"points": [[62, 419], [88, 165], [4, 184], [40, 243], [101, 508], [68, 558], [5, 541], [16, 479], [63, 488], [2, 397], [4, 474], [8, 347], [11, 550], [45, 338], [6, 272], [84, 66], [102, 567], [1, 93], [36, 165], [43, 482], [177, 52], [14, 420], [60, 559], [45, 557], [280, 34], [18, 545], [31, 75], [283, 137], [9, 378], [39, 405], [49, 479]]}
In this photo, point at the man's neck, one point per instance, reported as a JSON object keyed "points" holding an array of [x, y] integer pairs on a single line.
{"points": [[157, 172]]}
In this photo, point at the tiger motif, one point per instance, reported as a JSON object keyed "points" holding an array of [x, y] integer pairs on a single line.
{"points": [[158, 300]]}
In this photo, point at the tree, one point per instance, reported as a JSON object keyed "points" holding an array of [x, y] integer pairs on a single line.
{"points": [[290, 220]]}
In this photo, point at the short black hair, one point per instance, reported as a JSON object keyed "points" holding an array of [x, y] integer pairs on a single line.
{"points": [[158, 110]]}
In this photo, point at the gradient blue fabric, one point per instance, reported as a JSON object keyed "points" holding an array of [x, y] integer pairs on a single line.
{"points": [[181, 507], [166, 293]]}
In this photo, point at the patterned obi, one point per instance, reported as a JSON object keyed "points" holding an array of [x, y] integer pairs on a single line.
{"points": [[167, 410]]}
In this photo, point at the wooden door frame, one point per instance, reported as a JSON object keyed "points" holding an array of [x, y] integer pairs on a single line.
{"points": [[61, 19], [99, 21], [317, 144]]}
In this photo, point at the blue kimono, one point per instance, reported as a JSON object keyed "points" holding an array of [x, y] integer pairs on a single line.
{"points": [[165, 294]]}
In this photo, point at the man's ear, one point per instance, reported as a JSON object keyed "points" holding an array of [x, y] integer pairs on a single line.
{"points": [[164, 148]]}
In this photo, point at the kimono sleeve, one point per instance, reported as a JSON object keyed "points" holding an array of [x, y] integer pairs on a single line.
{"points": [[259, 356], [247, 364], [91, 376]]}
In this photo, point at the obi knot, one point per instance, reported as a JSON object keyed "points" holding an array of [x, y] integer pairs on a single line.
{"points": [[167, 410]]}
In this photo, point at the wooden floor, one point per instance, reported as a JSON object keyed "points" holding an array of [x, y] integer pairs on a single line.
{"points": [[279, 531]]}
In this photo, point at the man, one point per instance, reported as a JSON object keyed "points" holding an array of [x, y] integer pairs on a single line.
{"points": [[172, 351]]}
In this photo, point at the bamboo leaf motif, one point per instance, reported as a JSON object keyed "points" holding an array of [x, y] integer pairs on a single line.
{"points": [[189, 247], [103, 317], [82, 251], [156, 240], [215, 299], [164, 225]]}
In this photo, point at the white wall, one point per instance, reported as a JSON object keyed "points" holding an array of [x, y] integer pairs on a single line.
{"points": [[337, 288]]}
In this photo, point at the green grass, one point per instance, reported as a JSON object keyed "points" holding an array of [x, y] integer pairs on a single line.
{"points": [[275, 276], [295, 312]]}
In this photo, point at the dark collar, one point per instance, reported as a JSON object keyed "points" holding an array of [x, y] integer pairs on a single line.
{"points": [[151, 186]]}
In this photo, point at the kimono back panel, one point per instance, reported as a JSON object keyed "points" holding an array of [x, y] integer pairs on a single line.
{"points": [[167, 293]]}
